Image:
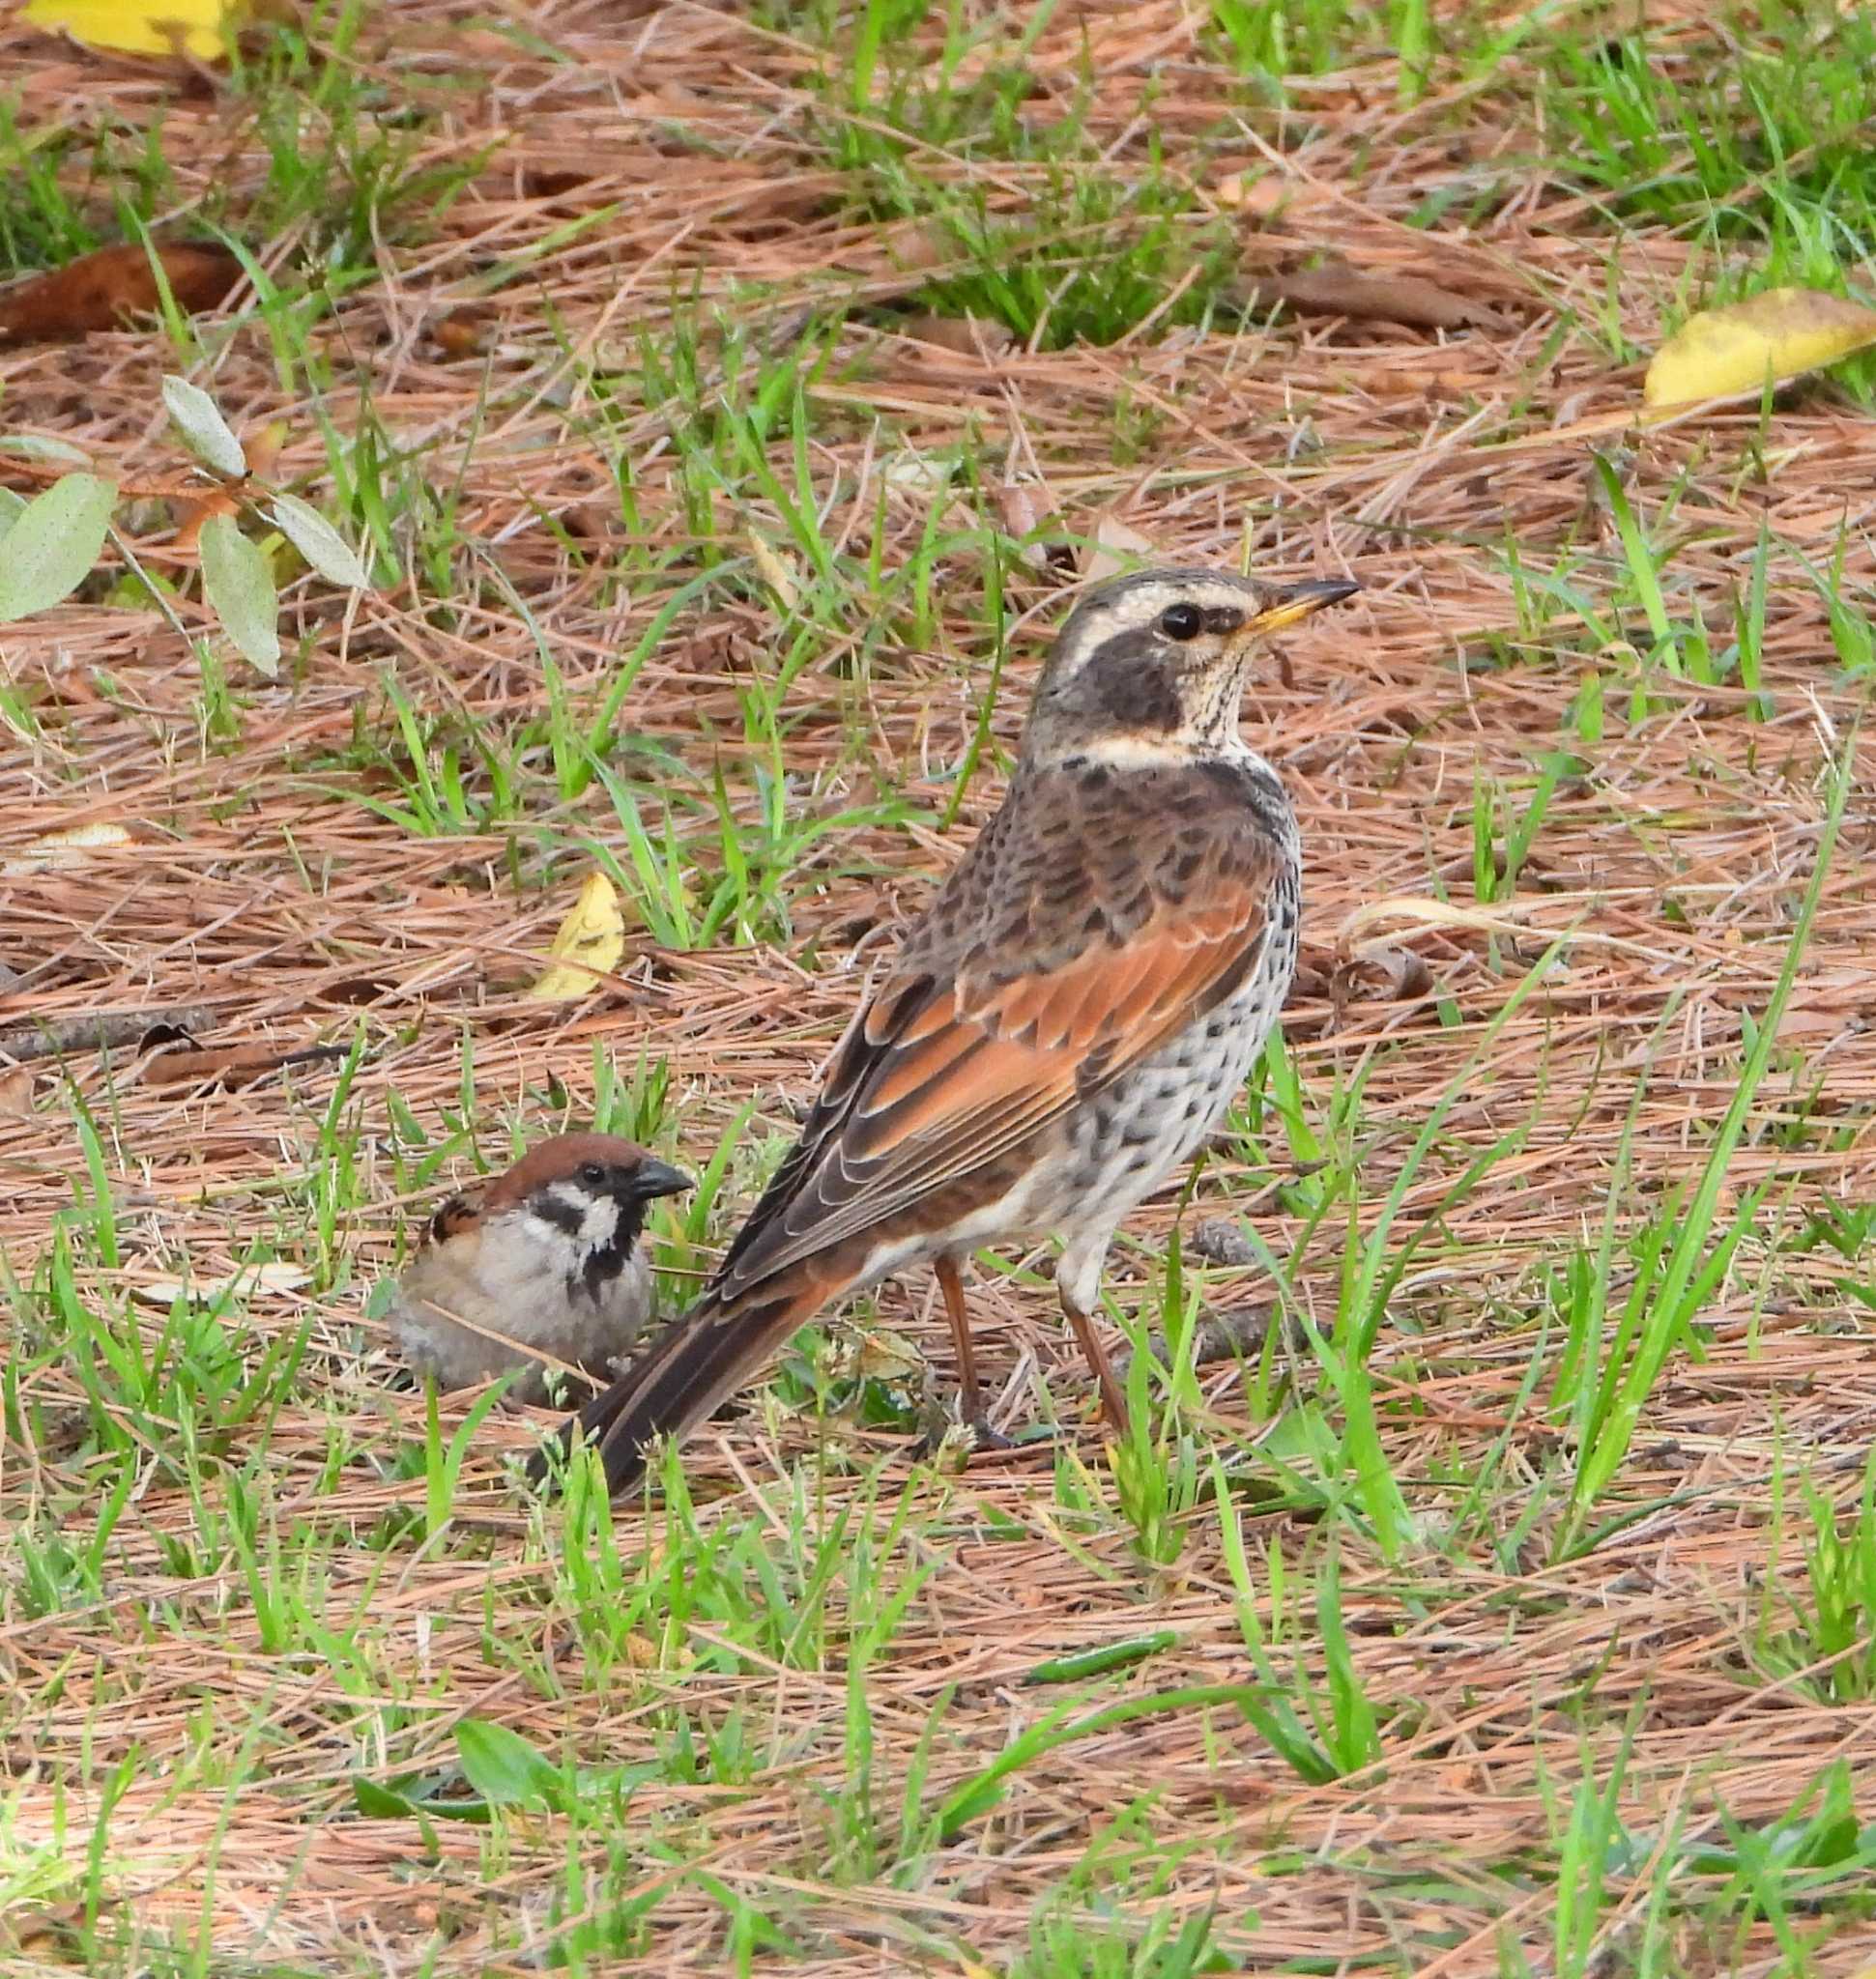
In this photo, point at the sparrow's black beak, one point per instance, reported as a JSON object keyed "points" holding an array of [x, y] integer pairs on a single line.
{"points": [[659, 1178], [1292, 603]]}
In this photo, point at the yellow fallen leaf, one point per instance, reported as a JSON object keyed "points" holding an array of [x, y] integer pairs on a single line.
{"points": [[589, 944], [141, 27], [60, 852], [1778, 333], [777, 573]]}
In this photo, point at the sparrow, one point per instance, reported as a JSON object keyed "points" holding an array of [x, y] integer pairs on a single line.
{"points": [[542, 1266], [1077, 1006]]}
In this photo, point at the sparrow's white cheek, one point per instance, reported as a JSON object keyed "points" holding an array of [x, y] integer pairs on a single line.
{"points": [[589, 1222], [601, 1224]]}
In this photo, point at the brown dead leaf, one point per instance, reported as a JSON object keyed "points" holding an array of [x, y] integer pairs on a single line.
{"points": [[917, 247], [229, 1065], [114, 286], [1825, 1003], [1027, 513], [1258, 196], [1116, 548], [263, 445], [1383, 972], [970, 336], [49, 1936], [16, 1093], [456, 336], [590, 522], [552, 182], [1338, 290], [210, 502]]}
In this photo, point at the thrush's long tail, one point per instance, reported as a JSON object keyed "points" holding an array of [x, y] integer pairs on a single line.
{"points": [[679, 1380]]}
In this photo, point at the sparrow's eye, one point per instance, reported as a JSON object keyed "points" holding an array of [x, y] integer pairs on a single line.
{"points": [[1182, 621], [592, 1174]]}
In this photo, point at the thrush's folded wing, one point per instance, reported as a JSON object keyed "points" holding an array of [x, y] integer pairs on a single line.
{"points": [[941, 1075]]}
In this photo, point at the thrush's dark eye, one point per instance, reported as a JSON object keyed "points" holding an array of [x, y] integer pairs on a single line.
{"points": [[592, 1174], [1182, 621]]}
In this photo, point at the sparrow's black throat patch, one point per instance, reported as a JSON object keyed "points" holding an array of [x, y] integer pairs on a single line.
{"points": [[603, 1262]]}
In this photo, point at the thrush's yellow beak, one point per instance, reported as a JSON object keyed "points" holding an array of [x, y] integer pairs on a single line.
{"points": [[1295, 602]]}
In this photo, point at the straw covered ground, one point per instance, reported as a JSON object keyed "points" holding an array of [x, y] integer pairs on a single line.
{"points": [[728, 400]]}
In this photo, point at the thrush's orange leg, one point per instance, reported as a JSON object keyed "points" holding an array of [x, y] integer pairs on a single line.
{"points": [[970, 1399], [1113, 1402]]}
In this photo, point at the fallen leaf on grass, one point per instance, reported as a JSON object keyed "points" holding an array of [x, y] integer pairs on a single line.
{"points": [[777, 572], [112, 288], [917, 247], [193, 514], [1030, 515], [1778, 333], [1261, 195], [140, 27], [588, 945], [1339, 290], [50, 1937], [457, 337], [60, 852], [230, 1065], [863, 1353], [1384, 970], [970, 336], [163, 1293], [1116, 548]]}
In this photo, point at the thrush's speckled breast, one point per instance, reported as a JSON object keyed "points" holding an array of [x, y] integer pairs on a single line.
{"points": [[1060, 1030]]}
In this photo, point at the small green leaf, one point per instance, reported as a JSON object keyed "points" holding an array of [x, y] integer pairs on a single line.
{"points": [[396, 1801], [238, 582], [11, 506], [320, 543], [1100, 1662], [54, 542], [504, 1768], [199, 420]]}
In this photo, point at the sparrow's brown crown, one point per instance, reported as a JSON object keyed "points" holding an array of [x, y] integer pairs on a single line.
{"points": [[597, 1163], [1159, 659]]}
